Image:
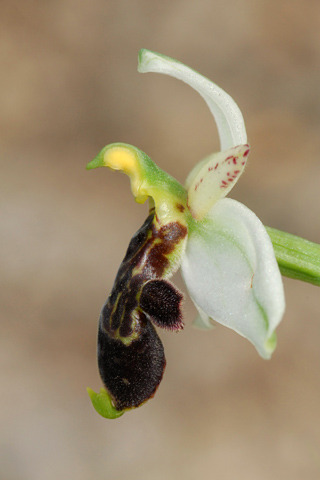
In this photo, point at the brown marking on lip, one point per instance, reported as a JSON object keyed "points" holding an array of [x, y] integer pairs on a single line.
{"points": [[128, 345], [142, 364], [180, 207], [167, 238]]}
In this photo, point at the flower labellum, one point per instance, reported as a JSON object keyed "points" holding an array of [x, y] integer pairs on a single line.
{"points": [[225, 254]]}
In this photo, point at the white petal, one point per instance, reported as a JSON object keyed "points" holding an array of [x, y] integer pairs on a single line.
{"points": [[214, 179], [226, 112], [231, 273]]}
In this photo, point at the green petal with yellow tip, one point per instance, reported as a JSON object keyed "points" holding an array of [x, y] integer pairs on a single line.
{"points": [[147, 180], [103, 404], [98, 161]]}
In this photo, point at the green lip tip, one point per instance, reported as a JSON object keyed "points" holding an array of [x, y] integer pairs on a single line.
{"points": [[103, 405]]}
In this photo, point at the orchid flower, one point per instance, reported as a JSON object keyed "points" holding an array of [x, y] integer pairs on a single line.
{"points": [[225, 254]]}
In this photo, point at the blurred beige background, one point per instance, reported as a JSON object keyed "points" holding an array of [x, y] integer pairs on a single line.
{"points": [[69, 86]]}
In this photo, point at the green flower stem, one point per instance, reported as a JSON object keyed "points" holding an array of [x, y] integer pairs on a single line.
{"points": [[297, 258]]}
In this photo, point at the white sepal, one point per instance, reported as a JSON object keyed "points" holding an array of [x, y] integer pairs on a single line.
{"points": [[230, 270], [226, 112], [202, 320]]}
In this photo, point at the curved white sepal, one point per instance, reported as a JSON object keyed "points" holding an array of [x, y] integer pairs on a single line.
{"points": [[231, 273], [226, 112], [214, 179], [202, 320]]}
